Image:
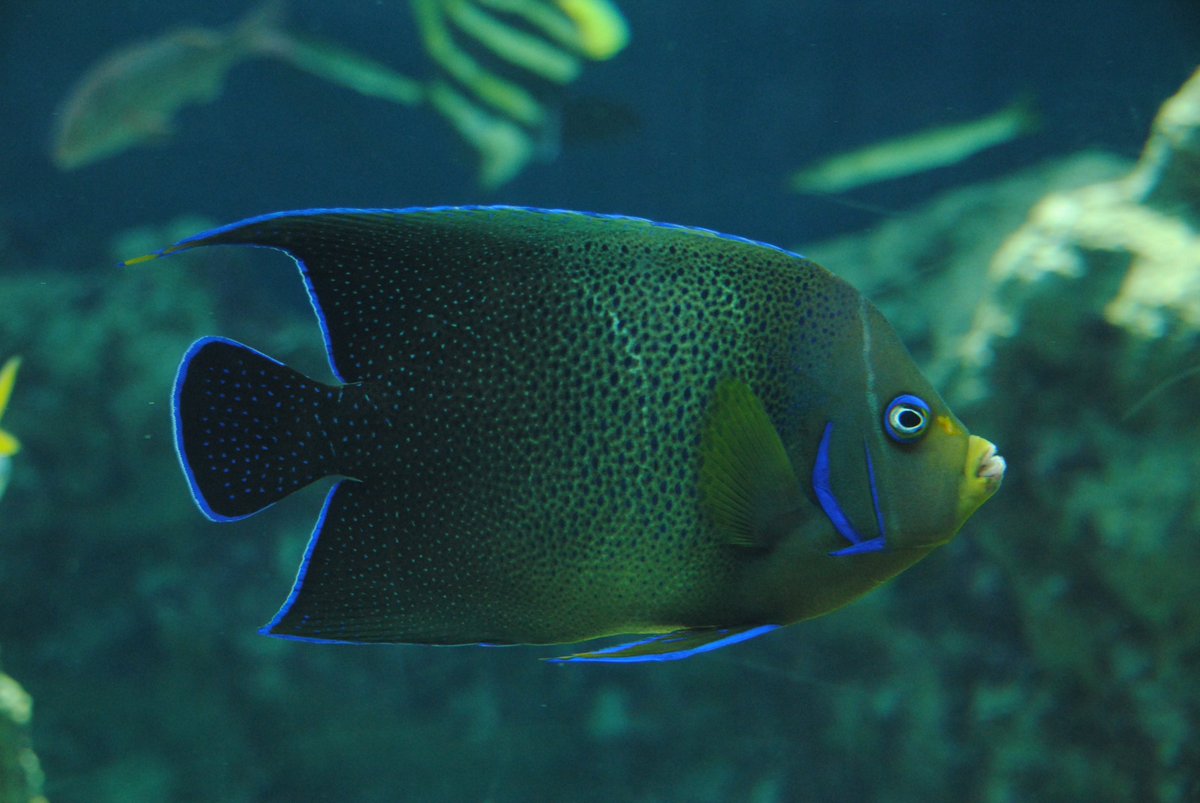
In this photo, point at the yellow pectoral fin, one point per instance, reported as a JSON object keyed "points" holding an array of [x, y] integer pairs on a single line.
{"points": [[9, 445], [747, 483]]}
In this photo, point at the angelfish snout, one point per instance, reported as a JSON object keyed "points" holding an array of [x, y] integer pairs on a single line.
{"points": [[984, 470], [991, 465]]}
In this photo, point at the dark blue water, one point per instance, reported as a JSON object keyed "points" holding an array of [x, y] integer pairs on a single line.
{"points": [[132, 621], [731, 97]]}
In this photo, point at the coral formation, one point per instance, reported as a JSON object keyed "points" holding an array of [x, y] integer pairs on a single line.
{"points": [[1131, 245]]}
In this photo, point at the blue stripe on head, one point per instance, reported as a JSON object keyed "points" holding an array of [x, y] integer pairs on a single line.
{"points": [[823, 488], [874, 492]]}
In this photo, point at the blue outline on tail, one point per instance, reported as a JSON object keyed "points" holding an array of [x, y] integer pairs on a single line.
{"points": [[181, 376], [299, 581]]}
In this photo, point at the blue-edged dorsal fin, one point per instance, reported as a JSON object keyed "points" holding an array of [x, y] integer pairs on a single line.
{"points": [[673, 646], [747, 484], [247, 428], [388, 282], [383, 281]]}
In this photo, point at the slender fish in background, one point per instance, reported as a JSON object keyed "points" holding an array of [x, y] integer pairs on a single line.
{"points": [[9, 445], [553, 426], [916, 153], [501, 66], [340, 66], [132, 96]]}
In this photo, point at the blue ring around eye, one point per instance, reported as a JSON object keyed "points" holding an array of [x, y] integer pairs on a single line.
{"points": [[899, 431]]}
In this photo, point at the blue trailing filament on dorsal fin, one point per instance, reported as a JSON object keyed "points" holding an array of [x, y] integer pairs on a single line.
{"points": [[823, 488]]}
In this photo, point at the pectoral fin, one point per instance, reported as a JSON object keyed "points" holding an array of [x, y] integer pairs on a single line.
{"points": [[747, 483], [672, 646]]}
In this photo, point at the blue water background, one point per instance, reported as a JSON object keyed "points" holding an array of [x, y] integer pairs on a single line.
{"points": [[149, 680]]}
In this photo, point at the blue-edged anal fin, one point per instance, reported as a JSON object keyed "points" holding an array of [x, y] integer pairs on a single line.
{"points": [[672, 646], [248, 429], [747, 484]]}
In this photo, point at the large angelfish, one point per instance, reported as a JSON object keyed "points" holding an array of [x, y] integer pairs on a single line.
{"points": [[552, 426]]}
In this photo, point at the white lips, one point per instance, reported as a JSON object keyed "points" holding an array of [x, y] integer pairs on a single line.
{"points": [[991, 465]]}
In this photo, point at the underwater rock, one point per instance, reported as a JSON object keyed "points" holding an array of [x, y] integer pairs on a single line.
{"points": [[1168, 175], [1128, 248], [20, 772]]}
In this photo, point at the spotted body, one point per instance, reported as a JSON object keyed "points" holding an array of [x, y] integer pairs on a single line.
{"points": [[553, 426]]}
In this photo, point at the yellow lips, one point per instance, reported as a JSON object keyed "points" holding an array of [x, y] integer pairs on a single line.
{"points": [[984, 470]]}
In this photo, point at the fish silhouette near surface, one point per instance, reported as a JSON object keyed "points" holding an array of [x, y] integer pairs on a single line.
{"points": [[554, 426]]}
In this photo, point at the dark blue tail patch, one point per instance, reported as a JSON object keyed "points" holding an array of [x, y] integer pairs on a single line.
{"points": [[248, 429]]}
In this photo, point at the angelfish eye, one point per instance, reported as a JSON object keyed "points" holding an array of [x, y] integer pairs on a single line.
{"points": [[906, 418]]}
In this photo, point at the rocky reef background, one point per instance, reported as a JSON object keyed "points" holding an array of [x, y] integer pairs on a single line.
{"points": [[1051, 289], [1086, 325]]}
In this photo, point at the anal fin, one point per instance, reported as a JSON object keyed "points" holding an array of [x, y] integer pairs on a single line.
{"points": [[673, 646]]}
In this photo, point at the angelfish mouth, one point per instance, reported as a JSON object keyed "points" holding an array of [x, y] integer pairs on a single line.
{"points": [[983, 472], [991, 466]]}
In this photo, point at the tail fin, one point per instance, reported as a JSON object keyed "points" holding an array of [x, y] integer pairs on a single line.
{"points": [[248, 429]]}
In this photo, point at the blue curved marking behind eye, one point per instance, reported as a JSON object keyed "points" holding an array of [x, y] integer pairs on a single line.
{"points": [[823, 488], [874, 490]]}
